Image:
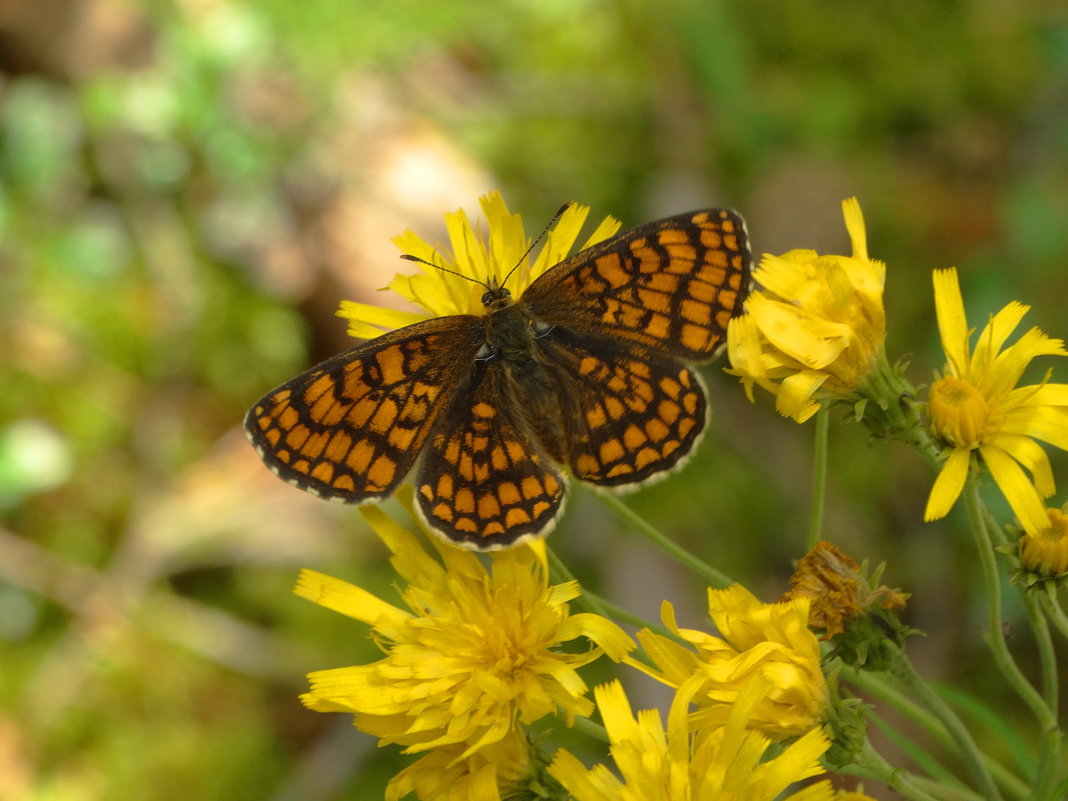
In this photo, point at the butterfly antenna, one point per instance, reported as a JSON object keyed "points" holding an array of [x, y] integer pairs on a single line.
{"points": [[544, 231], [410, 257]]}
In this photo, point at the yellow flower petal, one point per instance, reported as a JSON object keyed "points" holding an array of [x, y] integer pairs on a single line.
{"points": [[948, 485]]}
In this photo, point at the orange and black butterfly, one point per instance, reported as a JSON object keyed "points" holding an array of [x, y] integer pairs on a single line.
{"points": [[585, 374]]}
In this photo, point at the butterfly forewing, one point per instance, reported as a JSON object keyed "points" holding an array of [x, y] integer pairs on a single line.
{"points": [[352, 427], [670, 285]]}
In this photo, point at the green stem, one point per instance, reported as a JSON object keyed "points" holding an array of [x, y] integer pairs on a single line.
{"points": [[559, 572], [594, 730], [995, 636], [713, 577], [869, 761], [876, 686], [901, 669], [819, 476], [1055, 613]]}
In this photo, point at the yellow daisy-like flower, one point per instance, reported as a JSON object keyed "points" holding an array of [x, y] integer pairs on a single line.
{"points": [[816, 328], [1045, 553], [757, 639], [975, 407], [476, 260], [475, 653], [725, 764], [442, 775]]}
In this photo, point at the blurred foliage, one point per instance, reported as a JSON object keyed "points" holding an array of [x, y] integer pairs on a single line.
{"points": [[176, 228]]}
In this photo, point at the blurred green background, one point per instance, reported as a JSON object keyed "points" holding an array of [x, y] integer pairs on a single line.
{"points": [[189, 187]]}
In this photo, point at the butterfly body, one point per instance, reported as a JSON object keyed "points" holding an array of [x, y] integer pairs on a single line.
{"points": [[585, 373]]}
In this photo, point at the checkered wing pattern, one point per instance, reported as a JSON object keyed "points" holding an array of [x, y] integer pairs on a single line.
{"points": [[351, 428], [670, 285]]}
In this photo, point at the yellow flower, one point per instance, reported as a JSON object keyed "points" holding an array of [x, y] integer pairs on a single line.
{"points": [[1045, 553], [975, 406], [770, 640], [475, 653], [484, 260], [444, 775], [725, 764], [816, 328]]}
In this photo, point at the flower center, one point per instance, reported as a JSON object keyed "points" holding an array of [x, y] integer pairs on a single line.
{"points": [[959, 412]]}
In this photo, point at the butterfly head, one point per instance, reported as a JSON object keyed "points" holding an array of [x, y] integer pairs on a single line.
{"points": [[496, 298]]}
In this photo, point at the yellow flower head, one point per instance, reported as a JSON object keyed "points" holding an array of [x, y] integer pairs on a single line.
{"points": [[770, 640], [484, 258], [976, 407], [444, 775], [474, 654], [815, 328], [725, 764], [1044, 554]]}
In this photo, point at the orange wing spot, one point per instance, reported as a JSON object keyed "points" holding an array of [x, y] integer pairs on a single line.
{"points": [[315, 445], [323, 471], [641, 369], [344, 482], [273, 436], [552, 486], [516, 452], [663, 282], [318, 388], [508, 492], [288, 418], [694, 312], [694, 337], [488, 507], [668, 411], [611, 451], [302, 466], [361, 412], [682, 251], [326, 411], [478, 444], [426, 492], [467, 525], [673, 236], [516, 517], [596, 417], [401, 438], [540, 508], [383, 471], [689, 403], [451, 452], [338, 447], [360, 456], [464, 502], [532, 488], [645, 457], [658, 326], [492, 529], [586, 465], [391, 363], [297, 437], [284, 456], [670, 447], [686, 426], [711, 239], [634, 438], [484, 410], [620, 470], [443, 512], [611, 270], [588, 364], [445, 488], [671, 387], [466, 467], [614, 406], [656, 430], [385, 416], [498, 458], [654, 301]]}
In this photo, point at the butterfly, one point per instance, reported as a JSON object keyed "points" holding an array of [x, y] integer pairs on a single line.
{"points": [[585, 375]]}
